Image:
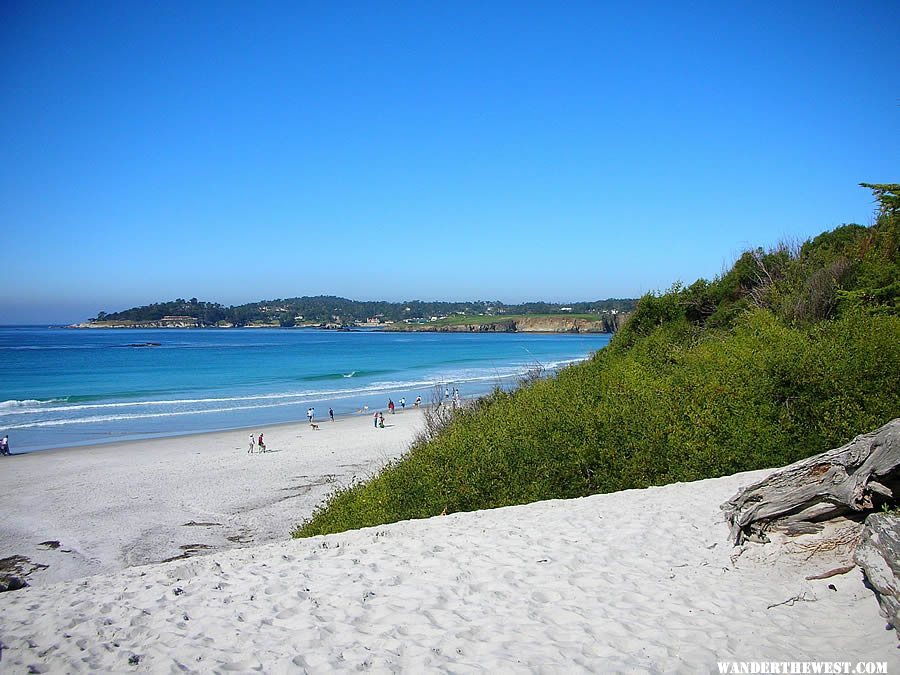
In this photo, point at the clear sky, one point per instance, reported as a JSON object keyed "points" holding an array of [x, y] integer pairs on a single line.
{"points": [[239, 151]]}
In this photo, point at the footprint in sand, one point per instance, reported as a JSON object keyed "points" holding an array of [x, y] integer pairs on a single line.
{"points": [[546, 596], [289, 613]]}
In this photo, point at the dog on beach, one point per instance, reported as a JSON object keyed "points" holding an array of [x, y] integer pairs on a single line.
{"points": [[314, 426]]}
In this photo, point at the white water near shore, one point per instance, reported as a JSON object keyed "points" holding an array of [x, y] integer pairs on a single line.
{"points": [[78, 388]]}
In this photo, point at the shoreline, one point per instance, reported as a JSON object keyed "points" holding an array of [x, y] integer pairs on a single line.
{"points": [[174, 436], [341, 415], [102, 508], [156, 392]]}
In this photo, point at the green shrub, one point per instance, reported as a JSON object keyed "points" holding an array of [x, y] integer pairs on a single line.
{"points": [[760, 395]]}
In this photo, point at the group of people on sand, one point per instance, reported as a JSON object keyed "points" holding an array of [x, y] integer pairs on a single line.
{"points": [[257, 443], [311, 414], [402, 401], [392, 408], [451, 397]]}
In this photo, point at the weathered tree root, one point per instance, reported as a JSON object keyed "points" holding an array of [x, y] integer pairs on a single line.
{"points": [[878, 553], [851, 481]]}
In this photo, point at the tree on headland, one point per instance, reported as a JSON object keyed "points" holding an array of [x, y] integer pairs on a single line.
{"points": [[888, 196]]}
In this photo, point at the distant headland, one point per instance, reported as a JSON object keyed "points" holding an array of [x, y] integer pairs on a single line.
{"points": [[335, 313]]}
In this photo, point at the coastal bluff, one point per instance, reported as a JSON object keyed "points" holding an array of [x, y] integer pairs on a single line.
{"points": [[528, 324]]}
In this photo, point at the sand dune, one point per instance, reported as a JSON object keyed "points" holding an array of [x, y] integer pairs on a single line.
{"points": [[637, 581]]}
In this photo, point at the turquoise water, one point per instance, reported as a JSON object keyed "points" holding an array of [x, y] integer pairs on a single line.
{"points": [[62, 387]]}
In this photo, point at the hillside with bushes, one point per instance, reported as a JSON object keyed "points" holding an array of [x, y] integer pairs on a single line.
{"points": [[793, 351]]}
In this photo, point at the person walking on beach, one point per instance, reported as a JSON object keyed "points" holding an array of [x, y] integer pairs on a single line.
{"points": [[375, 417], [402, 403], [4, 446], [418, 401], [252, 444], [331, 414], [381, 419], [309, 414], [262, 446], [391, 406]]}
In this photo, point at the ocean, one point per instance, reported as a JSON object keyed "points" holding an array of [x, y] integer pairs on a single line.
{"points": [[65, 387]]}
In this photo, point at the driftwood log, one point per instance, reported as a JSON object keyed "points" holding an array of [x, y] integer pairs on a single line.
{"points": [[878, 554], [846, 481]]}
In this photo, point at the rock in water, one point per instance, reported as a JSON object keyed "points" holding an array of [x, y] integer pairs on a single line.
{"points": [[878, 553]]}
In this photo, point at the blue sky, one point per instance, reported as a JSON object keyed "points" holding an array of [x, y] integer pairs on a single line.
{"points": [[513, 151]]}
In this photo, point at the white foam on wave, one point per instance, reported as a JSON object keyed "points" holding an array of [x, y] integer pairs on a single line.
{"points": [[13, 404], [39, 407], [177, 402], [293, 397], [557, 365], [97, 419]]}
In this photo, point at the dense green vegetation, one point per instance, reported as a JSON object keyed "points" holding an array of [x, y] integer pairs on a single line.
{"points": [[789, 353], [330, 309], [206, 312]]}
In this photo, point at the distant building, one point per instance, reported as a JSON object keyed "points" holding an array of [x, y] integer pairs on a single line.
{"points": [[173, 322]]}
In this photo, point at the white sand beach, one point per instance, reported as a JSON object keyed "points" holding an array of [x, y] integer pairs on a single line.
{"points": [[107, 507], [636, 581]]}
